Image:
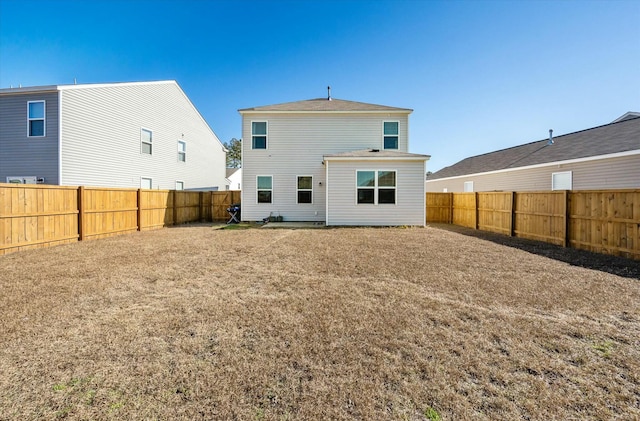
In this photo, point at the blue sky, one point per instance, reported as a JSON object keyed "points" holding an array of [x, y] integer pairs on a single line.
{"points": [[480, 75]]}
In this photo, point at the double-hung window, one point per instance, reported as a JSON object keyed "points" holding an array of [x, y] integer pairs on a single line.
{"points": [[305, 189], [146, 140], [390, 129], [35, 118], [265, 188], [258, 135], [182, 151], [376, 187]]}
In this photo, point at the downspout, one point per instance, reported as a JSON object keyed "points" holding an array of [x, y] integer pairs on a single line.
{"points": [[326, 192], [59, 137]]}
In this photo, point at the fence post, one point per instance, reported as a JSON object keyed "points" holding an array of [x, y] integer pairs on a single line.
{"points": [[81, 213], [512, 221], [567, 212], [139, 213], [475, 195], [175, 207], [451, 208]]}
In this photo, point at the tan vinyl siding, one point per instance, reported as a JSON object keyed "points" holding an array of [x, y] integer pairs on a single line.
{"points": [[609, 173], [409, 208], [101, 138], [28, 156], [296, 145]]}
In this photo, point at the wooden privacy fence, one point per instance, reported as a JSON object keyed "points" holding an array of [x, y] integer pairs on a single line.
{"points": [[34, 216], [606, 221]]}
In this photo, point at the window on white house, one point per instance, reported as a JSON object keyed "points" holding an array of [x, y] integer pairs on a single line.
{"points": [[179, 185], [35, 118], [146, 139], [145, 183], [376, 187], [182, 151], [305, 189], [468, 186], [390, 134], [387, 187], [265, 188], [258, 135], [561, 180]]}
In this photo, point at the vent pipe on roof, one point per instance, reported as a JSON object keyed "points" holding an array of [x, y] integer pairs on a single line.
{"points": [[550, 142], [329, 93]]}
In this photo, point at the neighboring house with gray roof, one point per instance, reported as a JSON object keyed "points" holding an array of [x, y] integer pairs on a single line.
{"points": [[333, 161], [603, 157], [138, 134]]}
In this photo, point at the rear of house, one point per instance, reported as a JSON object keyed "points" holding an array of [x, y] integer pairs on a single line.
{"points": [[289, 150], [604, 157], [143, 134]]}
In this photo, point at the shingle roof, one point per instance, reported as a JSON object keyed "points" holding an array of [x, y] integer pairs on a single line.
{"points": [[231, 171], [611, 138], [325, 105], [376, 153]]}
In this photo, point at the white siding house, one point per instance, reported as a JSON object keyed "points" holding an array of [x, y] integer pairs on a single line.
{"points": [[290, 150], [599, 158], [142, 134]]}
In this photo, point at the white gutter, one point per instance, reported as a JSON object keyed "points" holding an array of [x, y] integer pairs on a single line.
{"points": [[546, 164]]}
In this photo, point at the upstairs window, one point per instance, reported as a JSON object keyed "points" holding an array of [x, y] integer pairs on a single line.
{"points": [[468, 186], [561, 180], [305, 189], [390, 134], [265, 188], [376, 187], [35, 118], [146, 139], [182, 151], [179, 185], [145, 183], [258, 135]]}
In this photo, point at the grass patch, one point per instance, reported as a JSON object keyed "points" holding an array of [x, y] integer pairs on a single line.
{"points": [[340, 324]]}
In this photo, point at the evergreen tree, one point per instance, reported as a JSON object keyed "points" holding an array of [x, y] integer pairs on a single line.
{"points": [[234, 156]]}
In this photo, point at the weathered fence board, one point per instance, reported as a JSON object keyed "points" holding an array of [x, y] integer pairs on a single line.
{"points": [[221, 200], [601, 221], [605, 222], [464, 210], [37, 216], [40, 216]]}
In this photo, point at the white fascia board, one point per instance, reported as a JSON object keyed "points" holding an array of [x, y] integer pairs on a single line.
{"points": [[325, 112], [107, 85], [546, 164], [373, 158]]}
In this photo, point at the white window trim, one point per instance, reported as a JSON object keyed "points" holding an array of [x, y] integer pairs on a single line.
{"points": [[266, 135], [182, 151], [150, 182], [376, 188], [464, 187], [141, 141], [297, 190], [44, 118], [181, 182], [397, 135], [560, 173], [264, 175]]}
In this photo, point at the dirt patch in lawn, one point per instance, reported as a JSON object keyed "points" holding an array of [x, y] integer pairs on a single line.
{"points": [[363, 323]]}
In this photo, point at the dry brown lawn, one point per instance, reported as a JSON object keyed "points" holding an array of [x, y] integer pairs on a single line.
{"points": [[353, 323]]}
